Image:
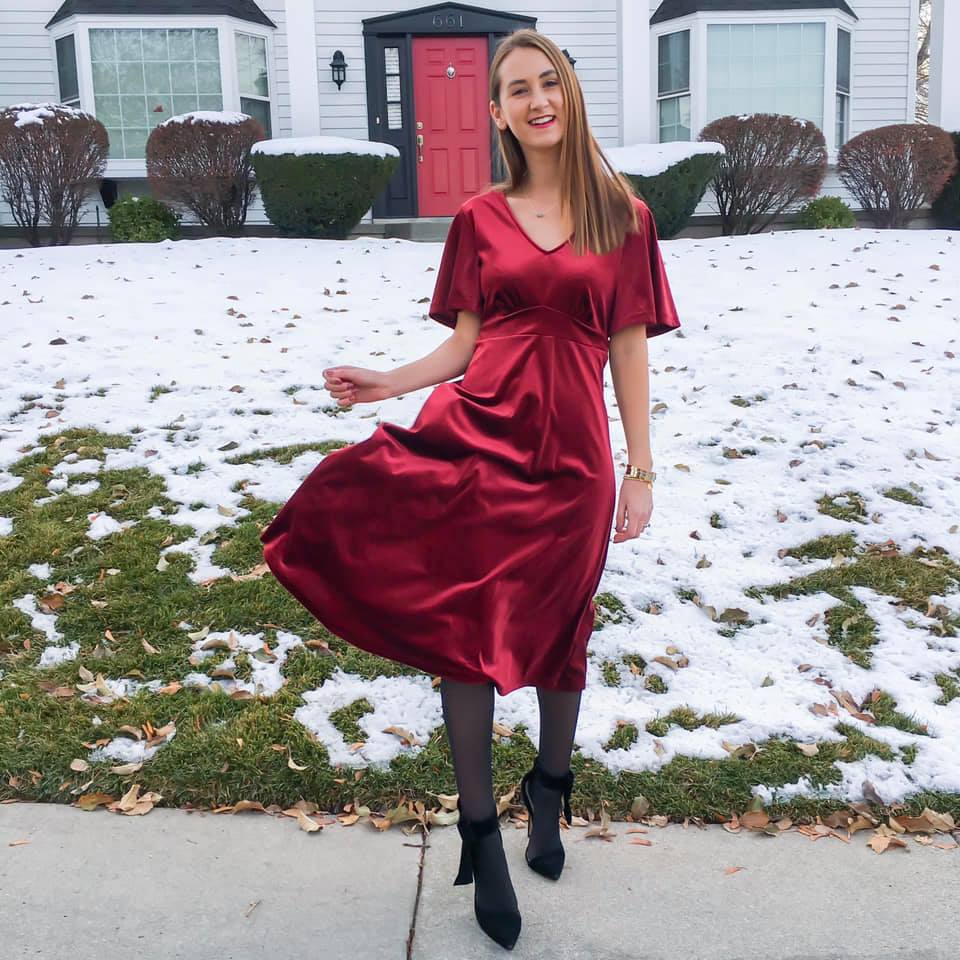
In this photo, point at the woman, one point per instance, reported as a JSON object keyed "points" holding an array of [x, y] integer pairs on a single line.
{"points": [[470, 545]]}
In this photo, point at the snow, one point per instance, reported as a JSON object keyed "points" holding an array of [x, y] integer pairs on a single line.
{"points": [[303, 146], [842, 343], [36, 113], [212, 116], [652, 159]]}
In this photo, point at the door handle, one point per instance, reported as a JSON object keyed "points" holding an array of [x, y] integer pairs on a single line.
{"points": [[419, 148]]}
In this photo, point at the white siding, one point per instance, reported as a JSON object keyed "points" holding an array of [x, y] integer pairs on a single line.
{"points": [[883, 66], [27, 67], [586, 28]]}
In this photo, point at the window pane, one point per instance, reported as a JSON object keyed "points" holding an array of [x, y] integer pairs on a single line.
{"points": [[394, 116], [154, 45], [143, 77], [181, 44], [674, 62], [765, 68], [128, 45], [252, 65], [102, 45], [207, 44], [130, 76], [259, 109], [391, 59], [67, 69], [843, 61], [841, 119], [674, 119]]}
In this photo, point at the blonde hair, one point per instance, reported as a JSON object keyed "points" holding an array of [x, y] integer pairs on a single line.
{"points": [[601, 203]]}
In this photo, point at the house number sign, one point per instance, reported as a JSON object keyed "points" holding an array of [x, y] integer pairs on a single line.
{"points": [[441, 20]]}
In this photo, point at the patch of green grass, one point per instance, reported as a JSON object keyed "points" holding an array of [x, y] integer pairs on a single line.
{"points": [[688, 719], [611, 673], [624, 737], [609, 608], [903, 496], [884, 708], [655, 683], [825, 547], [848, 505], [345, 719], [286, 454], [159, 390], [950, 687]]}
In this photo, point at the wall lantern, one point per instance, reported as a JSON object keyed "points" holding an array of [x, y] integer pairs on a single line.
{"points": [[338, 67], [566, 53]]}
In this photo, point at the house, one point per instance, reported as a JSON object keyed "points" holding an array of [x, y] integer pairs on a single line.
{"points": [[415, 76]]}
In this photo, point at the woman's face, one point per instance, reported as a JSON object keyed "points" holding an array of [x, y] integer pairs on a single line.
{"points": [[529, 89]]}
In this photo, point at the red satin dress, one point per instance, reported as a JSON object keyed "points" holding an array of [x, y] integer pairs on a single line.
{"points": [[470, 544]]}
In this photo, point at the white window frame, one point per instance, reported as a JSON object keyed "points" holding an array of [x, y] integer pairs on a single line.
{"points": [[697, 23], [227, 28], [673, 95]]}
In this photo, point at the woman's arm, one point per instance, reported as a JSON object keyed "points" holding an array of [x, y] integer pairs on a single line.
{"points": [[629, 367], [349, 385]]}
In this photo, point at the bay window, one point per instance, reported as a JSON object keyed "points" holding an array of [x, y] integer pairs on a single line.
{"points": [[708, 63], [135, 72]]}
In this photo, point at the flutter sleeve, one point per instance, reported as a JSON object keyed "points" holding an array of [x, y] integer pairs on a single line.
{"points": [[643, 292], [458, 276]]}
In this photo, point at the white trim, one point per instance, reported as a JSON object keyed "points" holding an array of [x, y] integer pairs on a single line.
{"points": [[227, 28], [637, 106], [943, 102], [301, 27], [697, 23]]}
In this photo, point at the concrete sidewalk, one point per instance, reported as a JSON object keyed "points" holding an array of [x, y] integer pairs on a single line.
{"points": [[200, 886]]}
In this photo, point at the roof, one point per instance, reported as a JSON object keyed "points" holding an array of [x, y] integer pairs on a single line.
{"points": [[671, 9], [241, 9]]}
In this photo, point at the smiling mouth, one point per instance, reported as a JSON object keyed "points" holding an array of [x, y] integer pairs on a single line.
{"points": [[547, 122]]}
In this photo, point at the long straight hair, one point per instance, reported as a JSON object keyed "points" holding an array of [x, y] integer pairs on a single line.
{"points": [[600, 198]]}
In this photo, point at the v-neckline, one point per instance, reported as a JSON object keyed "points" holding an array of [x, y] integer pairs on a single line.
{"points": [[530, 240]]}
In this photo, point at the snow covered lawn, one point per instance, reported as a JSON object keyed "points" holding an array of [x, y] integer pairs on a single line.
{"points": [[798, 584]]}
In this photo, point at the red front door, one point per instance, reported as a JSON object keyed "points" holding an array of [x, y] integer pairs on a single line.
{"points": [[451, 121]]}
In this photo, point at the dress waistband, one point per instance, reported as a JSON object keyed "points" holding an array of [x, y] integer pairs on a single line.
{"points": [[542, 321]]}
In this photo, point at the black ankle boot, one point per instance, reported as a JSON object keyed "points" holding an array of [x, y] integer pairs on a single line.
{"points": [[550, 862], [481, 843]]}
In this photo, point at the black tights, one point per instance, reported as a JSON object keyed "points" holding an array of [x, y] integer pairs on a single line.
{"points": [[468, 715]]}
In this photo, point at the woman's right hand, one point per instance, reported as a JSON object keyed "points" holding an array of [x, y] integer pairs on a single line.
{"points": [[349, 385]]}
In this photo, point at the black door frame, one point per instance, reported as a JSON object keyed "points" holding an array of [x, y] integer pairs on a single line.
{"points": [[399, 198]]}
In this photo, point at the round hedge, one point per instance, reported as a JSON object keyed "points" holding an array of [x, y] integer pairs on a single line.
{"points": [[318, 194]]}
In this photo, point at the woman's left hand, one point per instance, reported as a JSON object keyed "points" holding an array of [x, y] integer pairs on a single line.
{"points": [[633, 510]]}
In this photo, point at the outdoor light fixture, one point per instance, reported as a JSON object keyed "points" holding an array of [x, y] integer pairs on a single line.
{"points": [[566, 53], [338, 67]]}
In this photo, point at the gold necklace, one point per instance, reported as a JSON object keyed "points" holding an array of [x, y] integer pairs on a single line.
{"points": [[540, 214]]}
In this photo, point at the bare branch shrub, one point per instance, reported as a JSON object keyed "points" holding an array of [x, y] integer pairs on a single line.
{"points": [[201, 161], [892, 170], [771, 161], [51, 157]]}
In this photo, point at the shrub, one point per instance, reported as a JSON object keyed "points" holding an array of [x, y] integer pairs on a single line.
{"points": [[51, 156], [827, 213], [670, 178], [945, 208], [321, 186], [200, 161], [770, 162], [143, 220], [892, 170]]}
